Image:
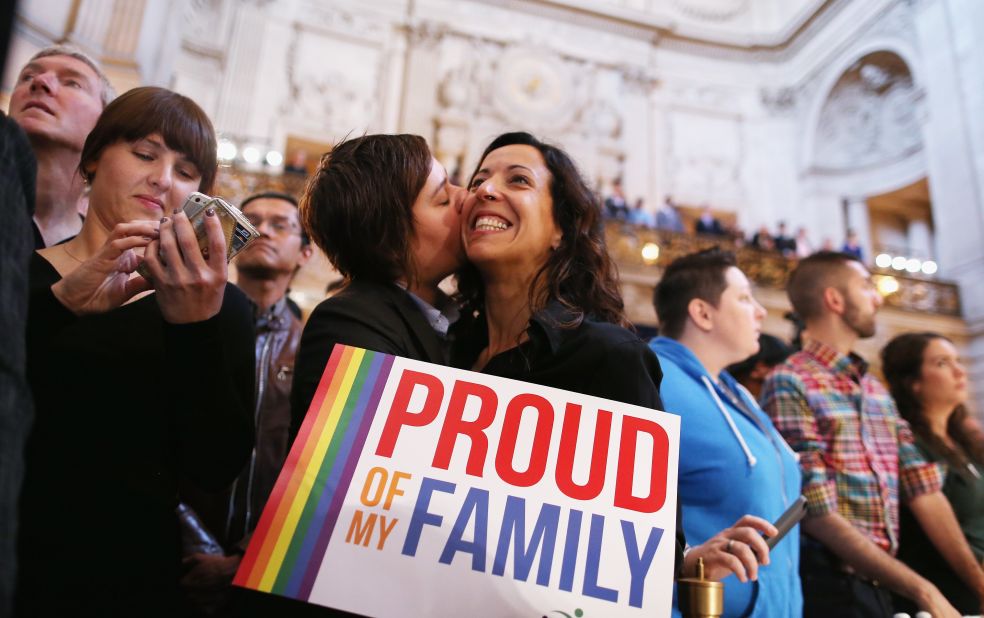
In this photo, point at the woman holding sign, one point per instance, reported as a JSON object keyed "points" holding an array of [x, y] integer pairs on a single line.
{"points": [[549, 309], [132, 391]]}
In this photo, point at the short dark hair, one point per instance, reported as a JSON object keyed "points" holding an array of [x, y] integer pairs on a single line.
{"points": [[358, 204], [811, 277], [772, 351], [276, 195], [696, 275], [140, 112], [579, 273]]}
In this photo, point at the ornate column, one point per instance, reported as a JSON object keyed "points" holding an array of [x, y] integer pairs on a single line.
{"points": [[240, 77], [952, 64], [920, 239]]}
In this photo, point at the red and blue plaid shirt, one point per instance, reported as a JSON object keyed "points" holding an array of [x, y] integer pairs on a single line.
{"points": [[855, 450]]}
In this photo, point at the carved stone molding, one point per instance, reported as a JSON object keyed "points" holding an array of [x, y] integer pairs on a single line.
{"points": [[712, 10], [205, 25], [536, 85], [638, 80], [424, 33], [328, 17], [325, 96], [870, 116], [781, 100]]}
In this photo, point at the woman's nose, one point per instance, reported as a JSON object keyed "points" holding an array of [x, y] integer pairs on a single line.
{"points": [[760, 311], [161, 176], [488, 191], [959, 369]]}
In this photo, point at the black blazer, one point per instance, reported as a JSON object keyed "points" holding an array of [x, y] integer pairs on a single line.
{"points": [[375, 316]]}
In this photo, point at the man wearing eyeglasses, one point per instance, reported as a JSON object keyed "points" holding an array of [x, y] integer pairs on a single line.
{"points": [[265, 271]]}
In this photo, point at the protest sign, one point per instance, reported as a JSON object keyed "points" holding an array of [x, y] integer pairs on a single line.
{"points": [[419, 490]]}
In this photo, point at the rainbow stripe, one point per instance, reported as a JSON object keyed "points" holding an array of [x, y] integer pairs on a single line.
{"points": [[290, 540]]}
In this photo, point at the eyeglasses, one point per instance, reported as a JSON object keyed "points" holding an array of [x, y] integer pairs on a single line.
{"points": [[279, 226]]}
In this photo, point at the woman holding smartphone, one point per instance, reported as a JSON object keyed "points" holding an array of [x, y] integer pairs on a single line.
{"points": [[136, 382]]}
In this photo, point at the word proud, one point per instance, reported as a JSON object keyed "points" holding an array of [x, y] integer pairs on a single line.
{"points": [[555, 439]]}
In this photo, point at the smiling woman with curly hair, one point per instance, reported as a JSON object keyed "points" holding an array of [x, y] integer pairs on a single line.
{"points": [[541, 285]]}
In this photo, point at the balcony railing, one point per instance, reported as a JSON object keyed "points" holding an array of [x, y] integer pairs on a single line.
{"points": [[641, 250], [645, 251]]}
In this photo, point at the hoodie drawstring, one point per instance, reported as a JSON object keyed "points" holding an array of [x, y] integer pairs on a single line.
{"points": [[731, 423]]}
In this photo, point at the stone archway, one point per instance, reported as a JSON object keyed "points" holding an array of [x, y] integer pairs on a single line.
{"points": [[865, 138]]}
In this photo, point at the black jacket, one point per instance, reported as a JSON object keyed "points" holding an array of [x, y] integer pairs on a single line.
{"points": [[593, 358], [126, 405], [374, 316]]}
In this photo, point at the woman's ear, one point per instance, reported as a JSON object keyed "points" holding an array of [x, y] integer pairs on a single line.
{"points": [[700, 314], [555, 241], [89, 171]]}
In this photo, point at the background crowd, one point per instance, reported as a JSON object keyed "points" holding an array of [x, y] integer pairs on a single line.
{"points": [[669, 218], [165, 402]]}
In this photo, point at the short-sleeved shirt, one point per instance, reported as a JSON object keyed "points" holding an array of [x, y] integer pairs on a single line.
{"points": [[856, 453]]}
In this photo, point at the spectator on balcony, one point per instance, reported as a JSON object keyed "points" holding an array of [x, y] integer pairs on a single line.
{"points": [[785, 244], [615, 205], [641, 217], [763, 240], [852, 245], [668, 217], [297, 163], [803, 245], [709, 224]]}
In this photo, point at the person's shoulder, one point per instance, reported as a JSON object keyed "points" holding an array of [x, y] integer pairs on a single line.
{"points": [[237, 308], [360, 297], [792, 374], [368, 315], [608, 334], [799, 362], [612, 341], [41, 273]]}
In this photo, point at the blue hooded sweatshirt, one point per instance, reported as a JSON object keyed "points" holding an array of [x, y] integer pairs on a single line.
{"points": [[732, 464]]}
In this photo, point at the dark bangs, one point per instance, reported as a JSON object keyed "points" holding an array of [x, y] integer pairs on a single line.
{"points": [[143, 111]]}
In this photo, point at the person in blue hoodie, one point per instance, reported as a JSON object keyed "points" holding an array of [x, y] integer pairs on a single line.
{"points": [[736, 473]]}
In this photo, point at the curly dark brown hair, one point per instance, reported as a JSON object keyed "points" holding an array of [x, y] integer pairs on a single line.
{"points": [[902, 361], [579, 273]]}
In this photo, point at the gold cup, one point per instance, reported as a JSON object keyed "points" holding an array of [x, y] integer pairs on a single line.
{"points": [[698, 597]]}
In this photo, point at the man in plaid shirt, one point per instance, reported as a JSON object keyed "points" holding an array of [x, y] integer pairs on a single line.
{"points": [[857, 456]]}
